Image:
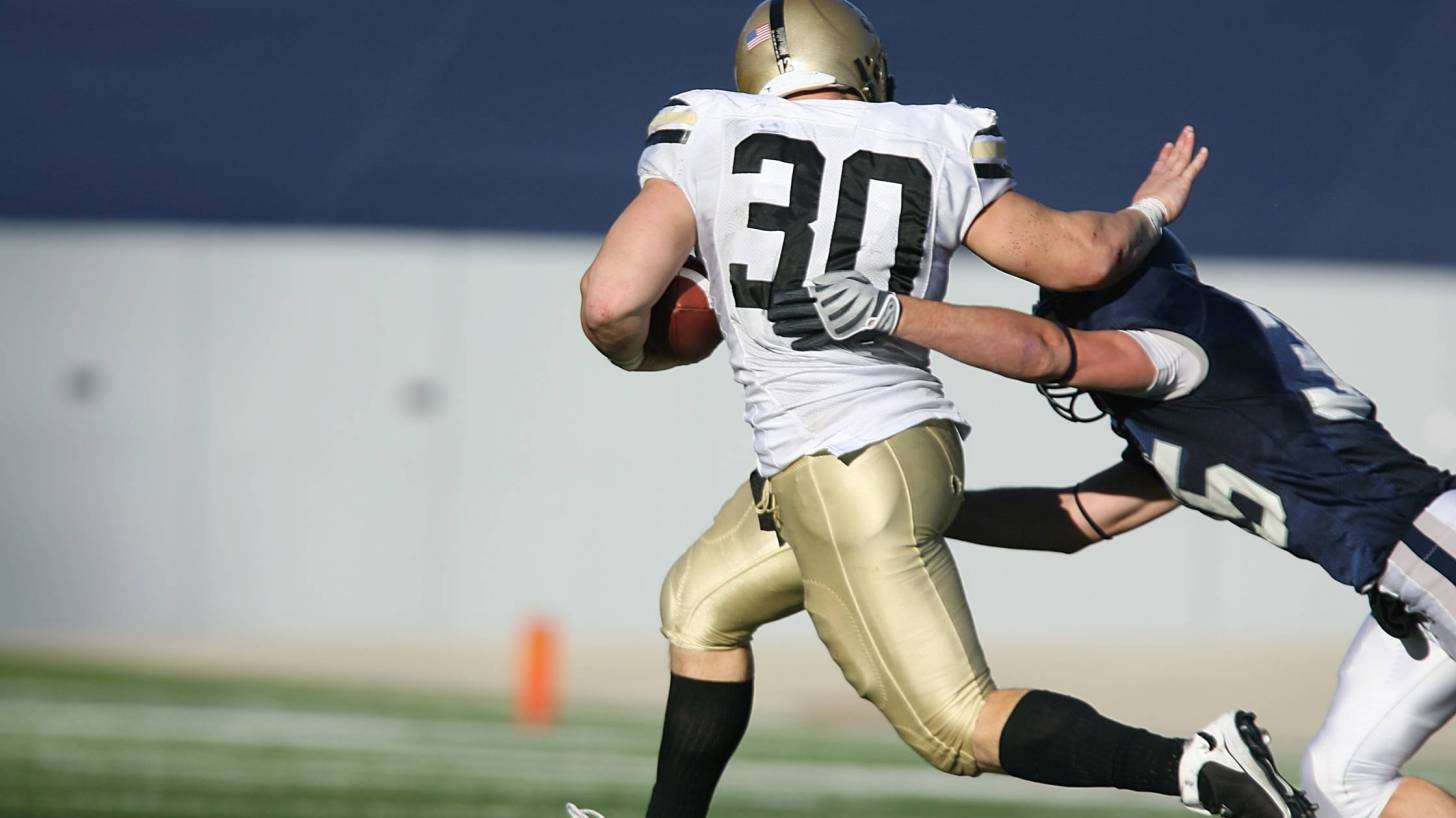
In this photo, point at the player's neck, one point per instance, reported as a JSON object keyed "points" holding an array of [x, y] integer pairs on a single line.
{"points": [[824, 94]]}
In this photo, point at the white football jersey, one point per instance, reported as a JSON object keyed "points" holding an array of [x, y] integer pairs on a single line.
{"points": [[785, 190]]}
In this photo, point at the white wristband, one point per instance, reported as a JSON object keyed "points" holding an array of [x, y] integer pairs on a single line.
{"points": [[1154, 209]]}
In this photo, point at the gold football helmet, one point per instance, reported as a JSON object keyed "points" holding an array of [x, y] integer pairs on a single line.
{"points": [[791, 46]]}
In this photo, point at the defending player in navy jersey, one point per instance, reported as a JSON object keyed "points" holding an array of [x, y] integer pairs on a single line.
{"points": [[1227, 410]]}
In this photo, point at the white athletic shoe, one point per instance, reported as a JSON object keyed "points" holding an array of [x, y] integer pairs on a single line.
{"points": [[573, 811], [1227, 770]]}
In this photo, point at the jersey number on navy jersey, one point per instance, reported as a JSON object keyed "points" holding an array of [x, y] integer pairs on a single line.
{"points": [[1221, 482], [1329, 397], [795, 218]]}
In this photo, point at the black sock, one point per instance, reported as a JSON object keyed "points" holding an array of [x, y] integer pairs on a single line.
{"points": [[702, 728], [1055, 739]]}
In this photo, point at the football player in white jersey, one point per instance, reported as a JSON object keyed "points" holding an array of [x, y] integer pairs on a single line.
{"points": [[811, 168]]}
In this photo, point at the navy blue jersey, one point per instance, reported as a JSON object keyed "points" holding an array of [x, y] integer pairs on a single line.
{"points": [[1271, 440]]}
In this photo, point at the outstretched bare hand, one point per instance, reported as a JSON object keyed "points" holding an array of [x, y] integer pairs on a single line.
{"points": [[1171, 179]]}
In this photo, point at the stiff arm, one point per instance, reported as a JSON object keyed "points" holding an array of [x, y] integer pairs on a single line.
{"points": [[1055, 249], [1084, 250]]}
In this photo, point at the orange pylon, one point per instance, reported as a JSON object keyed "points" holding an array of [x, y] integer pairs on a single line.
{"points": [[536, 695]]}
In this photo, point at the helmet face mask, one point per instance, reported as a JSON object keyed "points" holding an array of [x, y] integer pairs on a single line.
{"points": [[795, 46], [1065, 309]]}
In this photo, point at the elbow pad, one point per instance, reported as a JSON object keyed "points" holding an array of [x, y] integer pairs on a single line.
{"points": [[1180, 363]]}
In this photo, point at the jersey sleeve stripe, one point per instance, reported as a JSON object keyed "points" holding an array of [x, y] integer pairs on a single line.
{"points": [[675, 102], [992, 170], [988, 149], [994, 130], [667, 136], [684, 119]]}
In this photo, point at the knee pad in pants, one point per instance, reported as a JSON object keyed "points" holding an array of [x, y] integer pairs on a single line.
{"points": [[735, 578]]}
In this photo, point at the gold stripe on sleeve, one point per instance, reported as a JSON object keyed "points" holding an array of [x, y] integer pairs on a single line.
{"points": [[679, 118], [988, 149]]}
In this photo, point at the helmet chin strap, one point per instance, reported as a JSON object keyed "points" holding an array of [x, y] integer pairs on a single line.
{"points": [[779, 35]]}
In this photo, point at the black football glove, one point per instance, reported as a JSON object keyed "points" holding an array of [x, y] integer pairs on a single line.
{"points": [[793, 315], [842, 307]]}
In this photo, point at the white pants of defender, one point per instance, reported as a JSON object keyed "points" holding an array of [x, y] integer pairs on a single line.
{"points": [[1392, 694]]}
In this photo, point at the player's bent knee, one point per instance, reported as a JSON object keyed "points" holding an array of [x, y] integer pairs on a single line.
{"points": [[736, 578], [717, 607], [690, 620], [942, 735], [942, 756], [699, 633], [933, 706], [1344, 786]]}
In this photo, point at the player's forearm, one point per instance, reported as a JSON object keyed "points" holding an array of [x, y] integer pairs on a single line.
{"points": [[622, 340], [1027, 519], [1006, 342], [615, 325], [1111, 246], [1061, 250], [1113, 501], [617, 294], [641, 252], [1125, 237], [1024, 347]]}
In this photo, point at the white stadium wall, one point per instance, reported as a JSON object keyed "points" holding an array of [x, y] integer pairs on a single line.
{"points": [[221, 432]]}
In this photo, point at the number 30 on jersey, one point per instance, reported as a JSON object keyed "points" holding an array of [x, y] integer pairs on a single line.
{"points": [[793, 219]]}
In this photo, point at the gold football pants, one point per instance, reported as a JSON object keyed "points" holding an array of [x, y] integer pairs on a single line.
{"points": [[867, 558]]}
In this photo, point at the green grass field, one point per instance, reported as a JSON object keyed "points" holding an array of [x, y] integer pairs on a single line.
{"points": [[93, 741]]}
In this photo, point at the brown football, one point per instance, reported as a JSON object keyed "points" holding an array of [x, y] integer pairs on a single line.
{"points": [[683, 325]]}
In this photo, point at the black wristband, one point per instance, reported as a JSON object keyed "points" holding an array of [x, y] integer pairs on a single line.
{"points": [[1071, 356], [1097, 529]]}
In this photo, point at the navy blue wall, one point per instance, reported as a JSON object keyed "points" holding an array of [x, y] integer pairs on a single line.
{"points": [[1331, 122]]}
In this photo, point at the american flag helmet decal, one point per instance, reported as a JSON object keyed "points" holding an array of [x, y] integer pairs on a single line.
{"points": [[757, 37]]}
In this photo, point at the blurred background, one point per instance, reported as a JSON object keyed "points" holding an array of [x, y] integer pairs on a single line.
{"points": [[298, 430]]}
